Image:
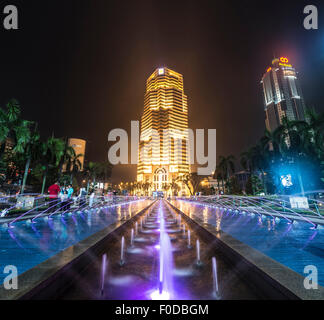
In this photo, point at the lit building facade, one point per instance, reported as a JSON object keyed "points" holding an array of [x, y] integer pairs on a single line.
{"points": [[282, 94], [164, 147], [79, 147]]}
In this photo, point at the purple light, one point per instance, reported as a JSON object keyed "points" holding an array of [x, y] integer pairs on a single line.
{"points": [[156, 295]]}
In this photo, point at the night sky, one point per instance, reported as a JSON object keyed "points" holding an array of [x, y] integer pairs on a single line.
{"points": [[79, 67]]}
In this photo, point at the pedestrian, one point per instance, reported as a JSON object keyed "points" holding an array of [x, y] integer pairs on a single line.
{"points": [[69, 195], [63, 196], [53, 191], [70, 192], [82, 196]]}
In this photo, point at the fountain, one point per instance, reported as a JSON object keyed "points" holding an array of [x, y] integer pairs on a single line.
{"points": [[189, 240], [132, 237], [165, 289], [184, 231], [122, 262], [215, 278], [103, 272], [198, 252]]}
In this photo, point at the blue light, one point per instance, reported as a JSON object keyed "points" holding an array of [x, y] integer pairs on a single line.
{"points": [[286, 180]]}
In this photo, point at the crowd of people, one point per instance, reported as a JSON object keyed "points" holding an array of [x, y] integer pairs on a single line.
{"points": [[66, 195]]}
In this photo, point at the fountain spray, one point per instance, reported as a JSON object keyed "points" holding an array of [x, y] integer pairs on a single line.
{"points": [[122, 262], [215, 278], [103, 272], [132, 237], [189, 240], [198, 252]]}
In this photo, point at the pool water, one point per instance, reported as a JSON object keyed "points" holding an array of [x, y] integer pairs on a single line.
{"points": [[28, 244], [294, 245]]}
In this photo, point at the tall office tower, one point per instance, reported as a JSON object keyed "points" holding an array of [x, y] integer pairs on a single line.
{"points": [[163, 148], [79, 147], [282, 94]]}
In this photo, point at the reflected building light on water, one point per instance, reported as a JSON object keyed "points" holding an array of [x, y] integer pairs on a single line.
{"points": [[218, 221], [205, 215], [260, 220], [218, 224], [130, 211], [119, 212]]}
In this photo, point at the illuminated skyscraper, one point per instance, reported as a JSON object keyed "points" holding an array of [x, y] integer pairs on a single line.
{"points": [[282, 94], [164, 130]]}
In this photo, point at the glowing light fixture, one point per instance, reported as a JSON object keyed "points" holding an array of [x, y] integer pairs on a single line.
{"points": [[157, 295], [161, 71], [286, 180], [284, 60]]}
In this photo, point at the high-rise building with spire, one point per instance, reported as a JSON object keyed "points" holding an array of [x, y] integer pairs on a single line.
{"points": [[282, 94]]}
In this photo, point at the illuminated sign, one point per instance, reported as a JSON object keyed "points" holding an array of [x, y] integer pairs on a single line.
{"points": [[284, 60], [299, 202], [286, 180], [269, 69], [285, 65]]}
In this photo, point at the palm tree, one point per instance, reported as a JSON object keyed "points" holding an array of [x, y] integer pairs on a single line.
{"points": [[174, 186], [226, 164], [90, 172], [192, 181], [74, 164], [13, 127], [97, 170], [31, 150], [218, 175], [247, 160], [68, 155], [104, 170], [51, 153]]}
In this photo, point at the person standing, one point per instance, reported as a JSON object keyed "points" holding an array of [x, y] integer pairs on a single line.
{"points": [[53, 191], [69, 195], [70, 192]]}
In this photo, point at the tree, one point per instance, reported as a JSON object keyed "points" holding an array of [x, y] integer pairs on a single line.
{"points": [[146, 186], [13, 127], [90, 173], [73, 164], [174, 186], [104, 170], [234, 186], [219, 176], [227, 166], [192, 181], [51, 153], [97, 170], [31, 150]]}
